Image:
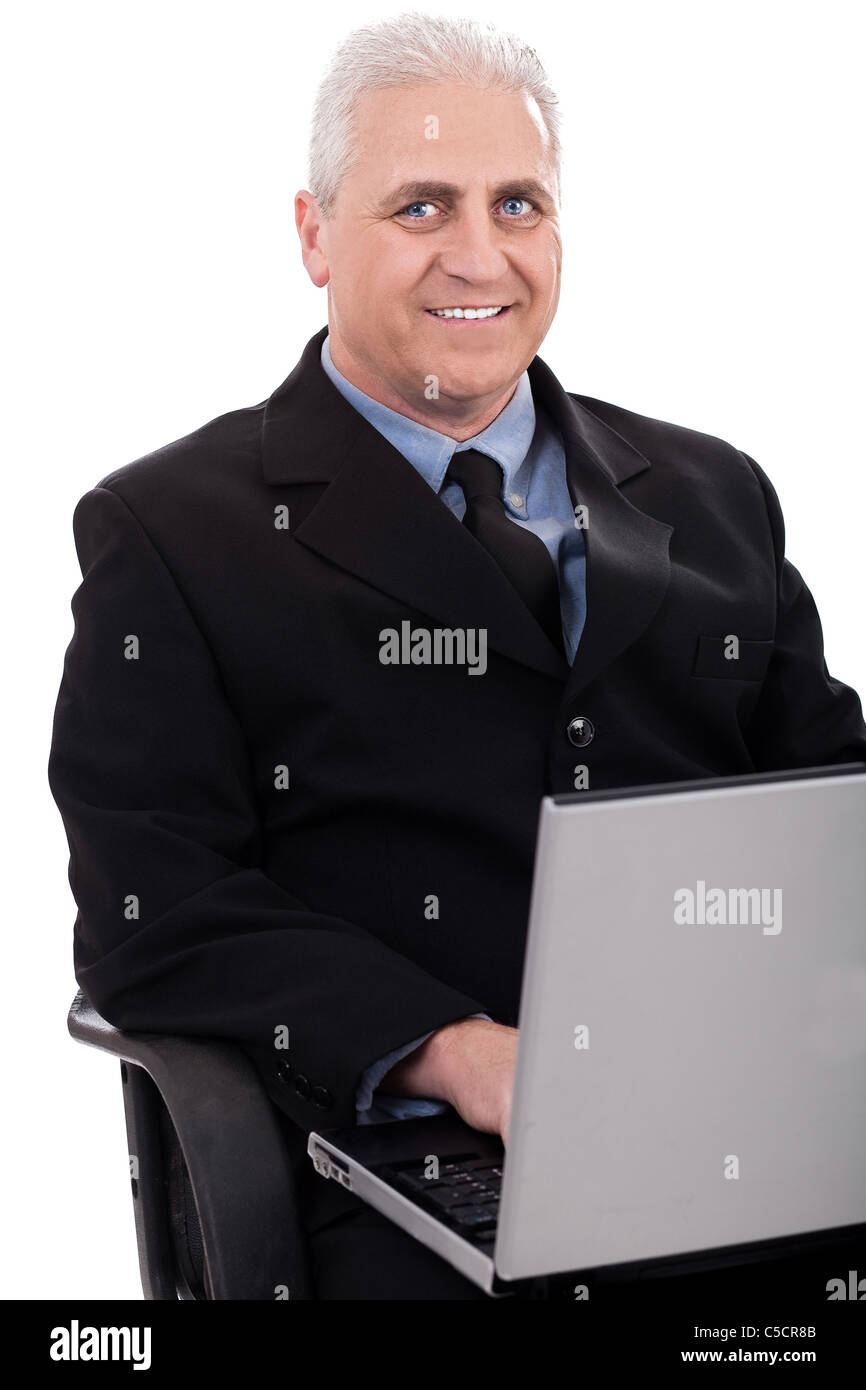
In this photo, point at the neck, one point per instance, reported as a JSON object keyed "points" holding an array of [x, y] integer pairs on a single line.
{"points": [[458, 419]]}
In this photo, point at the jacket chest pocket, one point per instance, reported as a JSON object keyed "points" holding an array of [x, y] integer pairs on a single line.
{"points": [[732, 658]]}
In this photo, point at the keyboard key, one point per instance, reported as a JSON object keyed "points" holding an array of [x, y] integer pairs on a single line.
{"points": [[449, 1197], [415, 1184], [474, 1218]]}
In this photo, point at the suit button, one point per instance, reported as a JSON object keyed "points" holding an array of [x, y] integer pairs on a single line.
{"points": [[302, 1086], [284, 1071], [322, 1097], [580, 731]]}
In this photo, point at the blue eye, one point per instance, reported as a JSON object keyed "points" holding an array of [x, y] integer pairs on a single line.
{"points": [[515, 209]]}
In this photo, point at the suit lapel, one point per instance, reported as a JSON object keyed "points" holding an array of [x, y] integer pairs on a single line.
{"points": [[627, 551], [382, 521], [379, 520]]}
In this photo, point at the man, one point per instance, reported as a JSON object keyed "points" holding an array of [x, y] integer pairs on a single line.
{"points": [[331, 650]]}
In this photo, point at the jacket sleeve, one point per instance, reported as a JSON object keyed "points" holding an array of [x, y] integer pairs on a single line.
{"points": [[178, 929], [804, 717]]}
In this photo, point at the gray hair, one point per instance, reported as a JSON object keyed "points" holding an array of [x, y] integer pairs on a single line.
{"points": [[407, 49]]}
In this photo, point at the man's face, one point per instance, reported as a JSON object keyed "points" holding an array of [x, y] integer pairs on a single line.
{"points": [[465, 220]]}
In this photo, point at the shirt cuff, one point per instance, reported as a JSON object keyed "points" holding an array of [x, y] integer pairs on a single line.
{"points": [[375, 1108]]}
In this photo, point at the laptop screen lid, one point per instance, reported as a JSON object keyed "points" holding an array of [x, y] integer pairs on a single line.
{"points": [[692, 1063]]}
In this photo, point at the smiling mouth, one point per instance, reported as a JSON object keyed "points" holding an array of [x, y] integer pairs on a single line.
{"points": [[481, 313]]}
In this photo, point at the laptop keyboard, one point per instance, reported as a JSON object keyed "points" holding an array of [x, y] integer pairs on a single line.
{"points": [[465, 1195]]}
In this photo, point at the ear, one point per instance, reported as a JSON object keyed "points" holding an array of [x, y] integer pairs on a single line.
{"points": [[308, 221]]}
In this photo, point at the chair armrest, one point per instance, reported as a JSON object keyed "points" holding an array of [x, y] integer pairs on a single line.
{"points": [[234, 1149]]}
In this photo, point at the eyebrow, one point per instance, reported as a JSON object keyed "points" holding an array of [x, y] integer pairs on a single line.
{"points": [[419, 190]]}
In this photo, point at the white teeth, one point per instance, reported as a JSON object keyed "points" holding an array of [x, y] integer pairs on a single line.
{"points": [[467, 313]]}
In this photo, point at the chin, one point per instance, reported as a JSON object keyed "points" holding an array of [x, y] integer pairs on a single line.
{"points": [[463, 386]]}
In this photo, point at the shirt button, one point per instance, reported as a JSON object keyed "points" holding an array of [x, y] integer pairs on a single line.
{"points": [[580, 731], [322, 1097], [302, 1086], [515, 499]]}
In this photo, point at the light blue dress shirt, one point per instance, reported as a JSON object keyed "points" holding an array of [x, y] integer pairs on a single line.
{"points": [[529, 451]]}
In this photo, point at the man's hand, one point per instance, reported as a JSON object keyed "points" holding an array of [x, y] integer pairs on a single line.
{"points": [[469, 1064]]}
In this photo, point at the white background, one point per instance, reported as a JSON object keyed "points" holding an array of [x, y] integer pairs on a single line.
{"points": [[713, 227]]}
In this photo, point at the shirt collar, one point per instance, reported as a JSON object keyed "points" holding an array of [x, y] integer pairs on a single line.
{"points": [[506, 439]]}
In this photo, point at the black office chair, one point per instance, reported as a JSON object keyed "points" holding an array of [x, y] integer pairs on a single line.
{"points": [[212, 1185]]}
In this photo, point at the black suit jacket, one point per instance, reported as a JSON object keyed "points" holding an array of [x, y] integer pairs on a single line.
{"points": [[213, 899]]}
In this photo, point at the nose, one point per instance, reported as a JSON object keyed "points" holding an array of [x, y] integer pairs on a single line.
{"points": [[473, 249]]}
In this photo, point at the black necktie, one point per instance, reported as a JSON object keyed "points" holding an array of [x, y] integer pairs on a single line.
{"points": [[520, 554]]}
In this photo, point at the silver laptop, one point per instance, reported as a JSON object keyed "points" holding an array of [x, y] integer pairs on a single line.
{"points": [[691, 1068]]}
